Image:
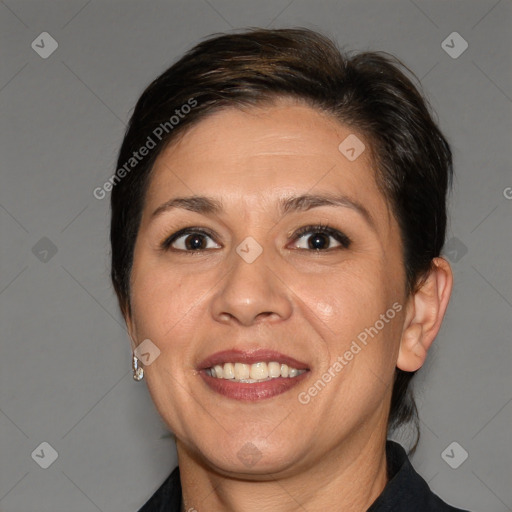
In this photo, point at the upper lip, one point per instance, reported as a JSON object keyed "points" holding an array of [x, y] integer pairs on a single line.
{"points": [[250, 357]]}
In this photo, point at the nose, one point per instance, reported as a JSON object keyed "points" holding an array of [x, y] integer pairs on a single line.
{"points": [[251, 293]]}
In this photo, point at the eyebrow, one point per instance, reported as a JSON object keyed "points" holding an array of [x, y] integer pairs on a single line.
{"points": [[209, 205]]}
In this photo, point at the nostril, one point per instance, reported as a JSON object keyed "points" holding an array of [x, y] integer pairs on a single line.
{"points": [[265, 314]]}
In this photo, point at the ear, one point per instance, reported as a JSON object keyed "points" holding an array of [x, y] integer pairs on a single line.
{"points": [[132, 332], [424, 314]]}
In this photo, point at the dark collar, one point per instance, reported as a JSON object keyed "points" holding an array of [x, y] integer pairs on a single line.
{"points": [[406, 491]]}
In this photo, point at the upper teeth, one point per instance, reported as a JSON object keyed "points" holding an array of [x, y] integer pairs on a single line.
{"points": [[252, 372]]}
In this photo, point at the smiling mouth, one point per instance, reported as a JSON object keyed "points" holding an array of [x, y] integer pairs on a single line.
{"points": [[261, 371], [252, 375]]}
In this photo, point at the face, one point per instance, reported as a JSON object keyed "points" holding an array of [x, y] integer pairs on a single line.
{"points": [[296, 304]]}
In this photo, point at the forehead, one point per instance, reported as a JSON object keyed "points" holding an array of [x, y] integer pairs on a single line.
{"points": [[258, 154]]}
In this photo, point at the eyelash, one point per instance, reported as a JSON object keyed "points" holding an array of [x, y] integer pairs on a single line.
{"points": [[324, 229]]}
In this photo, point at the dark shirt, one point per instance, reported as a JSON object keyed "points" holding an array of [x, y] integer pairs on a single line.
{"points": [[406, 491]]}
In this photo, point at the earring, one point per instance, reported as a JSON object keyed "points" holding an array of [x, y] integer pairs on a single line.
{"points": [[138, 371]]}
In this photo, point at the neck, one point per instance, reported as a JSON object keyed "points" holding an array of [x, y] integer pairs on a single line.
{"points": [[350, 477]]}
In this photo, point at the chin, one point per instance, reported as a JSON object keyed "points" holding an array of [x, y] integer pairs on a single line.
{"points": [[253, 459]]}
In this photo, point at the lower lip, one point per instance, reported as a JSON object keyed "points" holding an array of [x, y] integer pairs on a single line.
{"points": [[252, 392]]}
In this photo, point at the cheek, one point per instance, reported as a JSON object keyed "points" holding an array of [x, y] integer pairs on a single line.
{"points": [[354, 305], [348, 296], [163, 303]]}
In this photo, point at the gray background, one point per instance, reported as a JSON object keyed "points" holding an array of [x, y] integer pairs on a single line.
{"points": [[65, 375]]}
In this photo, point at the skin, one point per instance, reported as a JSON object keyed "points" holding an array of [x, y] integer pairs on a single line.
{"points": [[328, 454]]}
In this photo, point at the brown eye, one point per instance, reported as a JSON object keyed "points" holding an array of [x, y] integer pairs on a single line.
{"points": [[190, 240], [320, 238]]}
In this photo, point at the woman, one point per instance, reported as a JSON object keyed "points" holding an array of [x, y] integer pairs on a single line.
{"points": [[278, 214]]}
